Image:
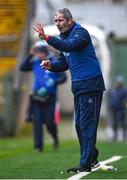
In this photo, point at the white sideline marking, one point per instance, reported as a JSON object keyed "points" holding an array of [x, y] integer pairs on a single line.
{"points": [[82, 174]]}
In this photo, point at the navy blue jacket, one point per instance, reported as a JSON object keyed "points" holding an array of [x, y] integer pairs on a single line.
{"points": [[77, 54], [42, 78]]}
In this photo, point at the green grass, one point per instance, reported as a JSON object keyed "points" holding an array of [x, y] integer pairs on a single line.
{"points": [[18, 160]]}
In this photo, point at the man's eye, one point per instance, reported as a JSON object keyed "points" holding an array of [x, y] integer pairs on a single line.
{"points": [[60, 20]]}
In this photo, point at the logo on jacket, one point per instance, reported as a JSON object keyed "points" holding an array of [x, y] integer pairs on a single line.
{"points": [[90, 100], [66, 54]]}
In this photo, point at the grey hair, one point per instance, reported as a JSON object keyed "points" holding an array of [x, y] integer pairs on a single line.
{"points": [[66, 12]]}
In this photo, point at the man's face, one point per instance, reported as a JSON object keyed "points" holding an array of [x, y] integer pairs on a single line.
{"points": [[62, 24]]}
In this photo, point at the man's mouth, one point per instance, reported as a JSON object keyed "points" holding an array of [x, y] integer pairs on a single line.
{"points": [[60, 28]]}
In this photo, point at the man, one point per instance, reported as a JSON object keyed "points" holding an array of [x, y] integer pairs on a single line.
{"points": [[117, 97], [43, 96], [78, 55]]}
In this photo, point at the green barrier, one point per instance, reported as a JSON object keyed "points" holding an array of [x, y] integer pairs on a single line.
{"points": [[7, 111], [119, 56]]}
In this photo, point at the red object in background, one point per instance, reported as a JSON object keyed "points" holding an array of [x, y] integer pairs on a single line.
{"points": [[57, 113]]}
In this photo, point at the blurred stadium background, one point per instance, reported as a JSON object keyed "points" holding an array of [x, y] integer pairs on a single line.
{"points": [[16, 36]]}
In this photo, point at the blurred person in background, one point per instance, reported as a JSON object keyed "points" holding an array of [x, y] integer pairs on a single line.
{"points": [[77, 54], [43, 94], [117, 99]]}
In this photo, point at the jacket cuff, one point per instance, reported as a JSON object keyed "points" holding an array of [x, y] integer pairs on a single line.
{"points": [[48, 38]]}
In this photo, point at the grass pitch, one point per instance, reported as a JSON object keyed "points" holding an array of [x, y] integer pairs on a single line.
{"points": [[19, 161]]}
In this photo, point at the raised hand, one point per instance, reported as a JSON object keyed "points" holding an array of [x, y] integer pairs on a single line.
{"points": [[46, 64], [39, 29]]}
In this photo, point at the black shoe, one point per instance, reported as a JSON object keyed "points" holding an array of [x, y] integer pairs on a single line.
{"points": [[79, 169], [95, 164]]}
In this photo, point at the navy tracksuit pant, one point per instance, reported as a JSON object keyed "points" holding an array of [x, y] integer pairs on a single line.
{"points": [[44, 114], [119, 119], [87, 111]]}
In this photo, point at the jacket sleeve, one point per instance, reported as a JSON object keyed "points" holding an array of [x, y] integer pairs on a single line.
{"points": [[61, 78], [79, 40], [60, 64], [26, 65]]}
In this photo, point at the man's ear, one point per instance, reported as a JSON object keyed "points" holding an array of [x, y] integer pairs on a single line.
{"points": [[69, 21]]}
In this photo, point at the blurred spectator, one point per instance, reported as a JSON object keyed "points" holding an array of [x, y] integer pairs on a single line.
{"points": [[43, 96], [117, 97]]}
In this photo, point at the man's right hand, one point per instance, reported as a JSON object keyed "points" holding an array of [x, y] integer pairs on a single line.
{"points": [[46, 64]]}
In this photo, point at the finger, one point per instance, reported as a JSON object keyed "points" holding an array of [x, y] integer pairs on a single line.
{"points": [[39, 27], [42, 63], [43, 67], [37, 24], [36, 29]]}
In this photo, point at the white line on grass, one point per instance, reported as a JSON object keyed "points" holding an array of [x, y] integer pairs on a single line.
{"points": [[82, 174]]}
